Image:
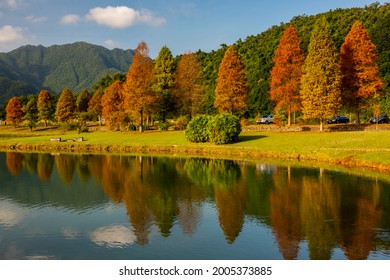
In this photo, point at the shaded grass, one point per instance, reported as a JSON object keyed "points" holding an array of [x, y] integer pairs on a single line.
{"points": [[358, 148]]}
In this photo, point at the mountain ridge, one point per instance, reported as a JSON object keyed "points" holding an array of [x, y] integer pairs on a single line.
{"points": [[76, 66]]}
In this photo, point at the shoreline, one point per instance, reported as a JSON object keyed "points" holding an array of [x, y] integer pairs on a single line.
{"points": [[363, 149], [175, 150]]}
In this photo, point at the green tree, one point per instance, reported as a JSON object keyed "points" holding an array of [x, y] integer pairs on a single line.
{"points": [[66, 106], [82, 101], [287, 72], [231, 91], [321, 80], [14, 111], [164, 70], [361, 84], [45, 105], [31, 111]]}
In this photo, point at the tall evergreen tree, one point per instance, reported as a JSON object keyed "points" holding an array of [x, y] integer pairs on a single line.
{"points": [[189, 90], [231, 91], [31, 111], [164, 70], [139, 95], [45, 105], [321, 80], [14, 111], [66, 106], [82, 101], [360, 76], [287, 72]]}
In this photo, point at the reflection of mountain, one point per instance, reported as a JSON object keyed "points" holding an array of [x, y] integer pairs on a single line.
{"points": [[326, 211], [40, 182]]}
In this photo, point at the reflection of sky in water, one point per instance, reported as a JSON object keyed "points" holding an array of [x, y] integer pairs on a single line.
{"points": [[113, 236], [10, 214]]}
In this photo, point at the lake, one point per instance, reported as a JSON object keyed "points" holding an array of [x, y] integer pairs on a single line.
{"points": [[66, 206]]}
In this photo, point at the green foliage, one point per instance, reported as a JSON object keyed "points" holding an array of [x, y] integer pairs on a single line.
{"points": [[197, 129], [82, 101], [31, 112], [224, 129], [163, 126], [75, 66], [257, 51], [164, 68]]}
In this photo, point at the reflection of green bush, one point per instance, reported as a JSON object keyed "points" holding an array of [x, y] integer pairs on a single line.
{"points": [[224, 129], [197, 129], [209, 173]]}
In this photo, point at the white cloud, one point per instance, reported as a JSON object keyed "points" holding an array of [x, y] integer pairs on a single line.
{"points": [[70, 19], [113, 236], [122, 17], [34, 19], [10, 34], [13, 4], [111, 43]]}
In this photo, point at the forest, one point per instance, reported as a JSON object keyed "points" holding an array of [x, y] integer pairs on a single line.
{"points": [[184, 86]]}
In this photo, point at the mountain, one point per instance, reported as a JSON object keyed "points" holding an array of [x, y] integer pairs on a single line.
{"points": [[76, 66]]}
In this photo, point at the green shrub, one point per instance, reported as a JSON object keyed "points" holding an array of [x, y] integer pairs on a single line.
{"points": [[163, 126], [224, 129], [197, 129], [182, 122]]}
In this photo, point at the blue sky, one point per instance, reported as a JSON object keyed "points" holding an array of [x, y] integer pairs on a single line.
{"points": [[180, 25]]}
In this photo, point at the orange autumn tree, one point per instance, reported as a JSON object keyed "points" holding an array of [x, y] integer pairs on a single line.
{"points": [[189, 90], [113, 105], [138, 92], [231, 91], [360, 76], [14, 111], [287, 72]]}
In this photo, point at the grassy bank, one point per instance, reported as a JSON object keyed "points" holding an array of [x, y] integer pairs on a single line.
{"points": [[359, 148]]}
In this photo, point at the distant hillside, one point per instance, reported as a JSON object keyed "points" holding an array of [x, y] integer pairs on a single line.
{"points": [[257, 51], [76, 66]]}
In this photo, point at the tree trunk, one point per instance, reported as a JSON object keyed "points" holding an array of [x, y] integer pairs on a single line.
{"points": [[357, 117], [289, 119], [321, 125], [141, 127]]}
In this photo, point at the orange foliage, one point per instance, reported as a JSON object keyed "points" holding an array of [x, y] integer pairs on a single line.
{"points": [[360, 81], [231, 91], [112, 104], [14, 111], [137, 90], [287, 72]]}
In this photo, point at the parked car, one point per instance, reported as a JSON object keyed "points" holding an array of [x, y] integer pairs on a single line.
{"points": [[382, 118], [267, 119], [338, 119]]}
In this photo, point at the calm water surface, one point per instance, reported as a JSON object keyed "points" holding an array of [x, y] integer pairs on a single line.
{"points": [[133, 207]]}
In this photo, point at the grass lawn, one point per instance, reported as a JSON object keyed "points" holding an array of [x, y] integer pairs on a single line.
{"points": [[357, 148]]}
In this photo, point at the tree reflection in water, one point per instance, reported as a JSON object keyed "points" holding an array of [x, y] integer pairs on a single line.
{"points": [[321, 208]]}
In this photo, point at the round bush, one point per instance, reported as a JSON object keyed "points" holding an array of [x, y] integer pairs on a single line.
{"points": [[197, 129], [224, 129]]}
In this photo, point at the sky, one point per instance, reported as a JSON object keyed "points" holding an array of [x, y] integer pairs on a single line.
{"points": [[182, 26]]}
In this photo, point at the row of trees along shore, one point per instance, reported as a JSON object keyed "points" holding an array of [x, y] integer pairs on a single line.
{"points": [[318, 85]]}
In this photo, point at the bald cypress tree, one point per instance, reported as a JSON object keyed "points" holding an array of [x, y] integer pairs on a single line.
{"points": [[287, 72], [321, 80], [66, 106], [361, 83], [231, 93], [138, 92]]}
